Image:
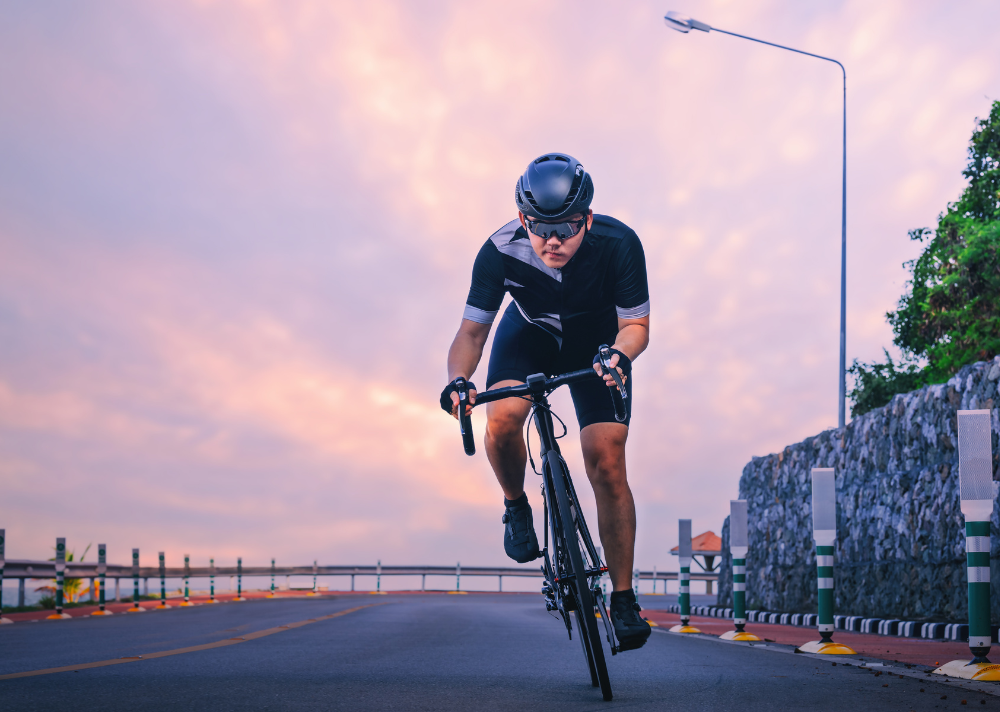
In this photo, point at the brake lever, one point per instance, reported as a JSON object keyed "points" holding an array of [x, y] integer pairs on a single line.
{"points": [[464, 420], [605, 355]]}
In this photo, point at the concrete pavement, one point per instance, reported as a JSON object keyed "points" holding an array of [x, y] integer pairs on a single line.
{"points": [[421, 652]]}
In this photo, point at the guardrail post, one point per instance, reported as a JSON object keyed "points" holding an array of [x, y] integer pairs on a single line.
{"points": [[239, 580], [500, 583], [315, 589], [163, 583], [378, 576], [271, 593], [102, 579], [824, 511], [136, 608], [211, 581], [423, 582], [187, 581], [352, 582], [684, 577], [3, 621], [60, 580], [654, 580], [739, 547], [976, 489], [20, 593], [458, 576]]}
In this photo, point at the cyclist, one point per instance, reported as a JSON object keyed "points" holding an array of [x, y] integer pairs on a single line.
{"points": [[577, 280]]}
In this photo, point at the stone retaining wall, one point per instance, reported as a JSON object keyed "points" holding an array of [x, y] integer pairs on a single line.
{"points": [[900, 530]]}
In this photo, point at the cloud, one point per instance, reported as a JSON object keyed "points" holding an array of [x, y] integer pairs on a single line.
{"points": [[235, 241]]}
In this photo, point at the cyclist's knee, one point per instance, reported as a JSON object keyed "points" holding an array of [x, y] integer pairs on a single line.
{"points": [[604, 454], [503, 424]]}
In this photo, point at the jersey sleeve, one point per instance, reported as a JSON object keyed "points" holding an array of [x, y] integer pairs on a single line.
{"points": [[487, 290], [631, 285]]}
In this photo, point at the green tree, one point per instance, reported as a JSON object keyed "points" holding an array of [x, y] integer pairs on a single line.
{"points": [[950, 313]]}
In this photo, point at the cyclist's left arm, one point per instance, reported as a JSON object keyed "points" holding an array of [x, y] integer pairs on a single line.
{"points": [[631, 301], [632, 340]]}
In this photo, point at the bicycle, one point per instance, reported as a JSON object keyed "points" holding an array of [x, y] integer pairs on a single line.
{"points": [[573, 568]]}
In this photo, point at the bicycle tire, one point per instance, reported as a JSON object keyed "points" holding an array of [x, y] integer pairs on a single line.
{"points": [[585, 641], [584, 599]]}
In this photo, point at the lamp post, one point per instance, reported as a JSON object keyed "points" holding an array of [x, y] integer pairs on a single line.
{"points": [[683, 23]]}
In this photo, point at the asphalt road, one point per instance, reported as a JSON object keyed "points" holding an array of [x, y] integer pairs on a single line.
{"points": [[418, 652]]}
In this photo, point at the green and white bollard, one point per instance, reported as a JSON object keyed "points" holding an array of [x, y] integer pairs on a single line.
{"points": [[684, 577], [187, 581], [136, 608], [975, 478], [239, 580], [635, 583], [60, 580], [102, 570], [163, 583], [824, 511], [3, 621], [315, 588], [271, 594], [211, 581], [739, 546]]}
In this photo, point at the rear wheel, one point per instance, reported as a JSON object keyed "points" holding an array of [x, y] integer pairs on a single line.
{"points": [[580, 585]]}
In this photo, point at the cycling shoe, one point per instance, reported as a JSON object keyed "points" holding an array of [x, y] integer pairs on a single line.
{"points": [[519, 540], [630, 629]]}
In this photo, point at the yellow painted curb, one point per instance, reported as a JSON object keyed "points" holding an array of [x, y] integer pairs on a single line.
{"points": [[102, 613], [684, 629], [458, 593], [831, 648], [968, 670], [738, 636], [58, 617]]}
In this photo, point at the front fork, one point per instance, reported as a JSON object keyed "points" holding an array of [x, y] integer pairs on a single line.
{"points": [[553, 591]]}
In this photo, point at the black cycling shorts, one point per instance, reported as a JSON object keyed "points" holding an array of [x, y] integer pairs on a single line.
{"points": [[521, 348]]}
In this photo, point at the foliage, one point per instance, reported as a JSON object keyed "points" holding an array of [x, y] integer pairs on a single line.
{"points": [[73, 589], [950, 314], [876, 383]]}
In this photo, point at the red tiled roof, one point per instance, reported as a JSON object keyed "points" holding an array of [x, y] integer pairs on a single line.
{"points": [[706, 541]]}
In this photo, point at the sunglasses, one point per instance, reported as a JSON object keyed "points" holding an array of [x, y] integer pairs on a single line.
{"points": [[559, 230]]}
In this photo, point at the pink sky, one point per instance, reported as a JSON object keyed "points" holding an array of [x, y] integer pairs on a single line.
{"points": [[236, 239]]}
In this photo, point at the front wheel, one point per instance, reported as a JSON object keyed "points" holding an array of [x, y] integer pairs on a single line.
{"points": [[579, 584]]}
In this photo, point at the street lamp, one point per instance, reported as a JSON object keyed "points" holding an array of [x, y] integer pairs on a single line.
{"points": [[683, 23]]}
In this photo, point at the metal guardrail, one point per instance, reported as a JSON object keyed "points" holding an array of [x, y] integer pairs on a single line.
{"points": [[47, 569], [25, 570]]}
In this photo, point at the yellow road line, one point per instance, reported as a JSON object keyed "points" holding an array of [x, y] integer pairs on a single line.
{"points": [[180, 651]]}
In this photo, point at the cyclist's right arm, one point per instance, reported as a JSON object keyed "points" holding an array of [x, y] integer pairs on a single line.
{"points": [[464, 355], [485, 297]]}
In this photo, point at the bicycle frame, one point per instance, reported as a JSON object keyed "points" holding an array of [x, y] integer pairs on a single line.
{"points": [[558, 594]]}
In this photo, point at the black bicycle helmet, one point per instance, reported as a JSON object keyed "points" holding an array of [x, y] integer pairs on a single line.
{"points": [[553, 187]]}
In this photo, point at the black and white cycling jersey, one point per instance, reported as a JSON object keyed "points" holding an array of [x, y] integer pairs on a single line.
{"points": [[604, 281]]}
